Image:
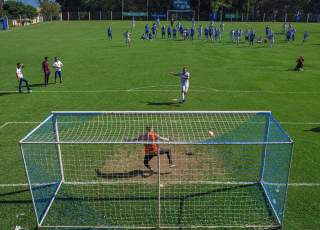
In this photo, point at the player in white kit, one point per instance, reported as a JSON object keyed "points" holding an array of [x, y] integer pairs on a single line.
{"points": [[184, 83], [127, 36]]}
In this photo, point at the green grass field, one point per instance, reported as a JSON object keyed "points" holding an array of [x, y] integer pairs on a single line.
{"points": [[105, 75]]}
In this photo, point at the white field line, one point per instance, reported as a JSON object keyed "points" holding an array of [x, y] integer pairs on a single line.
{"points": [[154, 88], [4, 125]]}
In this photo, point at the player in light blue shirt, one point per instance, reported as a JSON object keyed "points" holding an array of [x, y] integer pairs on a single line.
{"points": [[154, 30]]}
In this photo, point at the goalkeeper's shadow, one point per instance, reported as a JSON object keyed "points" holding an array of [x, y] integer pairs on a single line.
{"points": [[127, 175]]}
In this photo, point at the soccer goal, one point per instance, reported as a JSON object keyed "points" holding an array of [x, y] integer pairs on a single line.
{"points": [[181, 15], [219, 170]]}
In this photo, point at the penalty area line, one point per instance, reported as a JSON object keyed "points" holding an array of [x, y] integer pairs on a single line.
{"points": [[155, 88], [4, 125]]}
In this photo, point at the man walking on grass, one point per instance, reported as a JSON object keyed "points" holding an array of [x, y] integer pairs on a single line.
{"points": [[21, 78]]}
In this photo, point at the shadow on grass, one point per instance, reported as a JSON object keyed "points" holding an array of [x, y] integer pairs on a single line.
{"points": [[126, 175], [315, 130], [38, 85], [14, 201], [164, 103], [8, 93], [120, 175]]}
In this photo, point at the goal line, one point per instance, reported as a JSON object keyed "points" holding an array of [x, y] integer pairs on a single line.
{"points": [[294, 184]]}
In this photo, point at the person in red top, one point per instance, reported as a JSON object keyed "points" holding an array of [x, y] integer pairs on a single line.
{"points": [[46, 71], [152, 149]]}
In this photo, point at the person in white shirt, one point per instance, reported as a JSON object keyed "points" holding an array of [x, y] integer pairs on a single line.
{"points": [[57, 64], [127, 36], [21, 78], [184, 83]]}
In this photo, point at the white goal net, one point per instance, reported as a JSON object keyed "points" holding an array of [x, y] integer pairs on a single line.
{"points": [[158, 170]]}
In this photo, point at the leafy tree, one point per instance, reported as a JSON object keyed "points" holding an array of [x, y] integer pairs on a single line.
{"points": [[49, 9], [16, 9]]}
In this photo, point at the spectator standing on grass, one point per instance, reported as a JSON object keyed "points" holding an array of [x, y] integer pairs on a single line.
{"points": [[46, 71], [21, 78], [57, 64]]}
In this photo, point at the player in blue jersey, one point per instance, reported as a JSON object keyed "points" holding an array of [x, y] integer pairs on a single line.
{"points": [[288, 35], [191, 33], [206, 33], [147, 29], [174, 33], [109, 33], [163, 31], [200, 29], [252, 36], [305, 36], [169, 31]]}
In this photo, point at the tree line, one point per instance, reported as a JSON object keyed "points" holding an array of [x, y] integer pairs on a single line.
{"points": [[50, 8], [251, 6]]}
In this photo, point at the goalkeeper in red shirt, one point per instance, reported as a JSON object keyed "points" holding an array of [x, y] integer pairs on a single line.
{"points": [[151, 148]]}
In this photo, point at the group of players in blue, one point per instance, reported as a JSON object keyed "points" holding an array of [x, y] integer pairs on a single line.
{"points": [[212, 32]]}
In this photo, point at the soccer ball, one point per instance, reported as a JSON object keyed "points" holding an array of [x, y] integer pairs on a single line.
{"points": [[211, 133]]}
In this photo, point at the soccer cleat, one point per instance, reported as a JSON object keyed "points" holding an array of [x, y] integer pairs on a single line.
{"points": [[172, 165]]}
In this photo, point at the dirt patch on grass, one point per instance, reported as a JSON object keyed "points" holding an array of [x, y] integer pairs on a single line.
{"points": [[192, 163]]}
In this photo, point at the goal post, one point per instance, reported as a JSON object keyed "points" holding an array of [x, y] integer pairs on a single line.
{"points": [[181, 15], [208, 170]]}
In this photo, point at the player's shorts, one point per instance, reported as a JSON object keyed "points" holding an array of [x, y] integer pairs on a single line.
{"points": [[185, 86]]}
